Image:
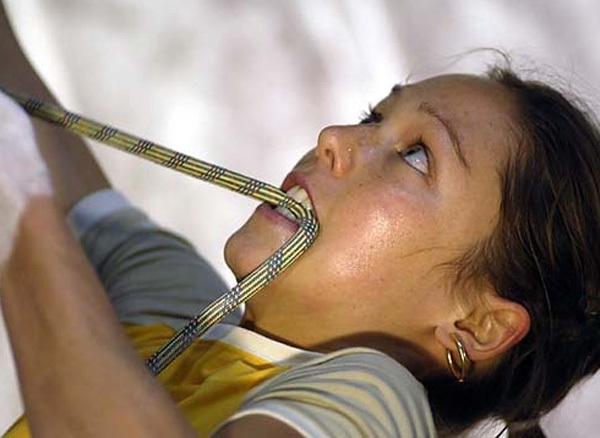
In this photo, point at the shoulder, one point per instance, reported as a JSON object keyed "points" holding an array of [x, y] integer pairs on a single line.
{"points": [[351, 392]]}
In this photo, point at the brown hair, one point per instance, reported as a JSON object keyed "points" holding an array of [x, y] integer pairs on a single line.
{"points": [[545, 255]]}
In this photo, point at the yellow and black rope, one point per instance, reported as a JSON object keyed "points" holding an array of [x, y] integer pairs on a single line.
{"points": [[247, 287]]}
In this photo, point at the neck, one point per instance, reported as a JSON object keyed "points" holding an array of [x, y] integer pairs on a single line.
{"points": [[416, 359]]}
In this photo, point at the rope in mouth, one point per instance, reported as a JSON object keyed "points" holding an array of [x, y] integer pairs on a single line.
{"points": [[266, 272]]}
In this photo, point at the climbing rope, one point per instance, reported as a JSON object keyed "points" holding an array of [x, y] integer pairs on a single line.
{"points": [[244, 185]]}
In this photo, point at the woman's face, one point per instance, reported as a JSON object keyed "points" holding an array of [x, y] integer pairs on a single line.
{"points": [[397, 198]]}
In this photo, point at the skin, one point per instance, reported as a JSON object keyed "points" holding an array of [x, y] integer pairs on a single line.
{"points": [[48, 279], [372, 277], [72, 167], [388, 223]]}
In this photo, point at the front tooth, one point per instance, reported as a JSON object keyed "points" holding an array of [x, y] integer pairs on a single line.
{"points": [[292, 191], [299, 194]]}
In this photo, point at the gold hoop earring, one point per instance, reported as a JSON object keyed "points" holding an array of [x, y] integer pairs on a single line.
{"points": [[461, 370]]}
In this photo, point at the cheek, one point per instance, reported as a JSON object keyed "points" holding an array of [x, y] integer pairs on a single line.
{"points": [[368, 239], [473, 215]]}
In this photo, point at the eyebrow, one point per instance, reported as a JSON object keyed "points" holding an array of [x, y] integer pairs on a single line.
{"points": [[427, 108]]}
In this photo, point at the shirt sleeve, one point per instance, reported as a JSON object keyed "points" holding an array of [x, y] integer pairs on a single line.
{"points": [[151, 275], [351, 393]]}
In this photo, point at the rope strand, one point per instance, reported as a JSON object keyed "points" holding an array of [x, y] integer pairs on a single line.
{"points": [[242, 184]]}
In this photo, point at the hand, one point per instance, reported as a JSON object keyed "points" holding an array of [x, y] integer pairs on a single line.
{"points": [[23, 173], [73, 169]]}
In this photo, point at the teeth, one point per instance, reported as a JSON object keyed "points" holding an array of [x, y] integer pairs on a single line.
{"points": [[285, 212], [298, 194]]}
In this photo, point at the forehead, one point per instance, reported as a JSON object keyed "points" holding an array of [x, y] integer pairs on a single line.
{"points": [[467, 93], [469, 90]]}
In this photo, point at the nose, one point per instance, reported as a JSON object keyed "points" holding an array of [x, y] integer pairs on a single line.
{"points": [[338, 147]]}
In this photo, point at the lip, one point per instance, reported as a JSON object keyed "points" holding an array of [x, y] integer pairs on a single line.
{"points": [[293, 179], [273, 216]]}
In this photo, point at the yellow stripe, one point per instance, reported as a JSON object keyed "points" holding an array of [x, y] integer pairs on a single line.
{"points": [[247, 287]]}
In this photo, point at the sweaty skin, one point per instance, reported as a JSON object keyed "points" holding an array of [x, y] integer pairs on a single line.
{"points": [[390, 215], [396, 199]]}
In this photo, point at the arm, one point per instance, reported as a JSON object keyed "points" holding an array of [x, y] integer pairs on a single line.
{"points": [[78, 373], [73, 169], [257, 425]]}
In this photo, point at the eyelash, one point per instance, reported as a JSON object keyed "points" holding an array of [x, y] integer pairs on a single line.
{"points": [[371, 116]]}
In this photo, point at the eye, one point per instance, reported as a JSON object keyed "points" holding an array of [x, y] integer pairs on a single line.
{"points": [[417, 157], [371, 116]]}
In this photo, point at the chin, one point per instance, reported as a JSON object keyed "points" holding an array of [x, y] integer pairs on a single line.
{"points": [[236, 257], [253, 243], [245, 251]]}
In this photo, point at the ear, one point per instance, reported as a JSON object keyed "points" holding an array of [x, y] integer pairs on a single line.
{"points": [[492, 327]]}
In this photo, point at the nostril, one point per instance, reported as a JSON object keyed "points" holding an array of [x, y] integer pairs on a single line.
{"points": [[335, 148], [330, 157]]}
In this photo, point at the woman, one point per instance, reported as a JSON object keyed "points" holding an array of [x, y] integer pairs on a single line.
{"points": [[456, 244]]}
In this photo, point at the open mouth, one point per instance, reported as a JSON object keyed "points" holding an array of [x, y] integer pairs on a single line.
{"points": [[298, 194]]}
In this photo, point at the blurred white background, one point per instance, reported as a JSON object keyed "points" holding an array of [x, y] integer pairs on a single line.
{"points": [[247, 84]]}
